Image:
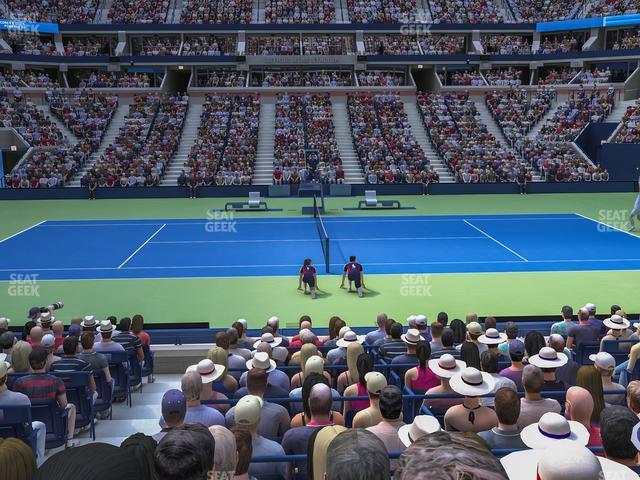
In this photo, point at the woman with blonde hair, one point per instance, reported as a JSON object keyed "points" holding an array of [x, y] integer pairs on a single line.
{"points": [[307, 351], [590, 379], [351, 376], [318, 445], [225, 386], [17, 461], [20, 357]]}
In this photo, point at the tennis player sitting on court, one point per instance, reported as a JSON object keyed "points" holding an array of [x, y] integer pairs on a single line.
{"points": [[635, 213], [309, 277], [353, 270]]}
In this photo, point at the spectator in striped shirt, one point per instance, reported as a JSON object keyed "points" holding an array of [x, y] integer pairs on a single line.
{"points": [[71, 363], [127, 339], [41, 386], [394, 347]]}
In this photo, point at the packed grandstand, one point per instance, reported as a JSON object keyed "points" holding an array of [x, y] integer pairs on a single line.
{"points": [[166, 93], [416, 399]]}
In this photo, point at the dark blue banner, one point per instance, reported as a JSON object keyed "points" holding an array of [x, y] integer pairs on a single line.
{"points": [[28, 27]]}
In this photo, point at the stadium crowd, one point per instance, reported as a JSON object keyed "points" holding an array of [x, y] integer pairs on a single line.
{"points": [[221, 78], [138, 11], [53, 11], [155, 45], [318, 44], [273, 45], [507, 77], [468, 78], [506, 44], [379, 11], [144, 145], [291, 12], [629, 131], [556, 75], [375, 78], [442, 44], [224, 152], [387, 149], [216, 11], [209, 45], [295, 78], [465, 11], [390, 44], [29, 44], [88, 46], [541, 10], [499, 401]]}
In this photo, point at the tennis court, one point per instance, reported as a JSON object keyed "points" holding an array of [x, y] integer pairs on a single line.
{"points": [[254, 247]]}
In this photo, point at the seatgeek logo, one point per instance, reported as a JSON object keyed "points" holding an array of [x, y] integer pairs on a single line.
{"points": [[415, 285], [220, 222], [417, 25], [23, 285]]}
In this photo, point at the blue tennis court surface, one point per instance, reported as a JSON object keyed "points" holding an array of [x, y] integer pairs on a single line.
{"points": [[181, 248]]}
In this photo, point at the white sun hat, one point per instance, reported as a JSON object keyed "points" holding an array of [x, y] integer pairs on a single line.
{"points": [[552, 428], [209, 371], [412, 337], [616, 322], [422, 425], [446, 366], [348, 338], [492, 337], [548, 358], [261, 360], [270, 339], [472, 382]]}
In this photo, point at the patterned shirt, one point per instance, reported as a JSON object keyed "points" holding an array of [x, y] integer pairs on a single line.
{"points": [[128, 341], [40, 386]]}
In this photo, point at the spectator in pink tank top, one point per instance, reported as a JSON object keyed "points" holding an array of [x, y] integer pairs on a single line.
{"points": [[421, 378], [364, 365]]}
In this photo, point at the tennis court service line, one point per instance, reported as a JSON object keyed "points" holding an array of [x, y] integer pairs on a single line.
{"points": [[22, 231], [497, 241], [143, 245]]}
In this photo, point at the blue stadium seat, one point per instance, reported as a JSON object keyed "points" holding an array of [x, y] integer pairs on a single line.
{"points": [[119, 368], [15, 421], [77, 385], [105, 394], [55, 420], [149, 361]]}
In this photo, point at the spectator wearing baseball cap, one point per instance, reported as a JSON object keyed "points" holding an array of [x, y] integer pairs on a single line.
{"points": [[506, 434], [474, 332], [514, 371], [533, 406], [579, 408], [387, 430], [371, 416], [421, 324], [296, 440], [34, 314], [174, 409], [620, 435], [274, 418], [191, 387], [599, 324], [605, 364]]}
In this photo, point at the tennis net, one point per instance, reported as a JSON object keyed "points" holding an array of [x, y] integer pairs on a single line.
{"points": [[322, 233]]}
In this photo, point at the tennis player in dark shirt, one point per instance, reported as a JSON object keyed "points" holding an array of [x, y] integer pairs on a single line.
{"points": [[353, 271], [309, 277]]}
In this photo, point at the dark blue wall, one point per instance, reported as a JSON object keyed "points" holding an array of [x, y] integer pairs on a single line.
{"points": [[356, 190], [590, 138], [622, 160]]}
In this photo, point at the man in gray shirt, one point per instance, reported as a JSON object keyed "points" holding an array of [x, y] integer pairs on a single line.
{"points": [[274, 418], [507, 433]]}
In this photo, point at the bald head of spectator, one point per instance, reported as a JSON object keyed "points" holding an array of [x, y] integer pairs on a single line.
{"points": [[36, 335], [222, 340], [633, 396], [532, 381], [257, 380], [579, 406], [264, 347], [381, 320], [471, 317], [307, 336], [556, 341], [320, 400], [305, 325], [583, 315], [57, 328]]}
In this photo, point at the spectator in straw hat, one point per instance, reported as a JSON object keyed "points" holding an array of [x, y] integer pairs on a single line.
{"points": [[549, 360], [492, 338], [421, 426], [371, 415], [106, 344], [277, 378], [618, 328], [279, 352], [445, 368], [563, 461], [605, 364], [411, 339], [553, 428], [191, 387], [338, 354], [471, 416]]}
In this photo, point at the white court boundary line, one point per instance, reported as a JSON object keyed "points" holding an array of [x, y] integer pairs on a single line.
{"points": [[22, 231], [142, 246], [497, 241], [607, 225], [304, 240], [345, 220], [471, 262]]}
